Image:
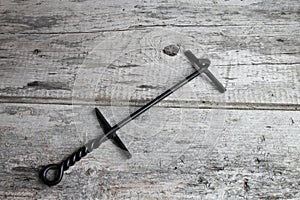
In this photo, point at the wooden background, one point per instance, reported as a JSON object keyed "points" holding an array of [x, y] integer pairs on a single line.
{"points": [[197, 144]]}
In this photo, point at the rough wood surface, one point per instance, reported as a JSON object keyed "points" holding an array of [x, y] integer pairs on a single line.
{"points": [[58, 17], [252, 154], [253, 79], [59, 59], [255, 54]]}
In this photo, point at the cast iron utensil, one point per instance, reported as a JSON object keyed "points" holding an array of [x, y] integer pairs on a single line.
{"points": [[201, 66]]}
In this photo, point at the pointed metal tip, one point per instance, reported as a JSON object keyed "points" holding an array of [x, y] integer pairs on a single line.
{"points": [[128, 154], [125, 152], [96, 109]]}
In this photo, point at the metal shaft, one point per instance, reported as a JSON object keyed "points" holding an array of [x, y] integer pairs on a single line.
{"points": [[95, 143], [156, 100]]}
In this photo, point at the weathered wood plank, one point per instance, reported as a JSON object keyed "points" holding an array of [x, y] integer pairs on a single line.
{"points": [[178, 153], [257, 75], [246, 45], [97, 16], [51, 52]]}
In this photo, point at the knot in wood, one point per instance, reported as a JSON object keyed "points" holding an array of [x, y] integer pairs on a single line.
{"points": [[171, 50]]}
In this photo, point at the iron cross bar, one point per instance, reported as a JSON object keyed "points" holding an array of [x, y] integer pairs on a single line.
{"points": [[201, 66], [197, 65]]}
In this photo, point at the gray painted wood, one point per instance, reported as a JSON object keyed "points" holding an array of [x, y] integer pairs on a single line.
{"points": [[93, 16], [61, 59], [253, 78], [252, 49], [250, 154]]}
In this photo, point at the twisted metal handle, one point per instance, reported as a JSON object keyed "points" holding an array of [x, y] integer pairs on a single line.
{"points": [[70, 161]]}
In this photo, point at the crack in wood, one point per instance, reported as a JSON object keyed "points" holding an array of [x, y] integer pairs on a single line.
{"points": [[48, 85]]}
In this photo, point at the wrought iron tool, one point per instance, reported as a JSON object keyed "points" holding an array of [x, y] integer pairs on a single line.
{"points": [[201, 66]]}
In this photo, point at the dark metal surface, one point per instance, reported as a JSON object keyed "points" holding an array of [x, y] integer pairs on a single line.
{"points": [[197, 65], [113, 137]]}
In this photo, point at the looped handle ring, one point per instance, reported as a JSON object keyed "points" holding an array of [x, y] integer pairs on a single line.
{"points": [[59, 172]]}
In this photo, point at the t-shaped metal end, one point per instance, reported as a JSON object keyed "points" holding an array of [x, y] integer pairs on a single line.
{"points": [[199, 64]]}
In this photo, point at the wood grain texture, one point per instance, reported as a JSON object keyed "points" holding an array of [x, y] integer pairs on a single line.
{"points": [[58, 17], [247, 154], [60, 59], [254, 78], [252, 48]]}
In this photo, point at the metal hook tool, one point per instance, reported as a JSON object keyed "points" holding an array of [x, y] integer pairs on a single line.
{"points": [[201, 66]]}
